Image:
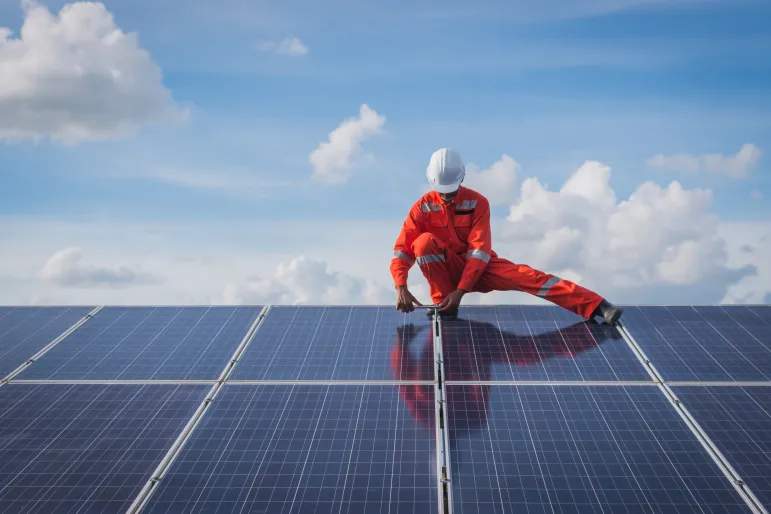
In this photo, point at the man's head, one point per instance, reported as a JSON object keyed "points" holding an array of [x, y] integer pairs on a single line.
{"points": [[445, 173]]}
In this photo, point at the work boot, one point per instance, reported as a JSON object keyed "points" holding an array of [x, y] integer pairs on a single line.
{"points": [[609, 312]]}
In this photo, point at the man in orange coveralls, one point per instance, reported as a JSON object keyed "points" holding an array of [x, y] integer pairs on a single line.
{"points": [[447, 232]]}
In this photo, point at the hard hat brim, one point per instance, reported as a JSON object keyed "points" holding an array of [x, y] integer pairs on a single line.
{"points": [[445, 189]]}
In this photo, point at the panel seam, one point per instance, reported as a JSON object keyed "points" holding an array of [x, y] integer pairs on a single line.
{"points": [[701, 435], [142, 499], [50, 345], [444, 472]]}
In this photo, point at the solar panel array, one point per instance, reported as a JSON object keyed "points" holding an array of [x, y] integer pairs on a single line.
{"points": [[364, 409]]}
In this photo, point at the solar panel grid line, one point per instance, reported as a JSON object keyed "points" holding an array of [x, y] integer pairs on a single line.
{"points": [[50, 345], [244, 343], [587, 383], [717, 383], [739, 421], [444, 468], [717, 456], [144, 495], [329, 382], [115, 382], [638, 351]]}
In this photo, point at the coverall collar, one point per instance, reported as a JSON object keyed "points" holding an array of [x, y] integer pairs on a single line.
{"points": [[457, 200]]}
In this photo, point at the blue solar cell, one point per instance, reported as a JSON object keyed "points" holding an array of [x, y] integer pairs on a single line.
{"points": [[143, 343], [534, 343], [26, 330], [86, 448], [588, 449], [738, 421], [320, 449], [703, 343], [338, 343]]}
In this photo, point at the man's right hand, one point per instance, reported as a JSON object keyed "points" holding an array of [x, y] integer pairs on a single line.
{"points": [[405, 302]]}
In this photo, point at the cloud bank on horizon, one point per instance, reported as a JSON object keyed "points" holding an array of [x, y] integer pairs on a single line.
{"points": [[77, 79]]}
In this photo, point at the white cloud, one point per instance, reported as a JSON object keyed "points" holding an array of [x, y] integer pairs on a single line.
{"points": [[735, 166], [749, 244], [498, 183], [307, 281], [66, 268], [291, 46], [656, 238], [77, 77], [332, 159], [756, 195]]}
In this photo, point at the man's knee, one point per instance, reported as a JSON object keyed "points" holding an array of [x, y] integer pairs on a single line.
{"points": [[425, 244]]}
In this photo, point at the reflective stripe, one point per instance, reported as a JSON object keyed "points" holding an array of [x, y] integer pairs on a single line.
{"points": [[548, 285], [428, 207], [478, 254], [398, 254], [466, 205], [425, 259]]}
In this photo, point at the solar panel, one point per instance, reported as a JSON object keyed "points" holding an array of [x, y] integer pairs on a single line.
{"points": [[593, 449], [534, 343], [338, 343], [85, 448], [738, 421], [25, 331], [292, 448], [143, 343], [703, 343]]}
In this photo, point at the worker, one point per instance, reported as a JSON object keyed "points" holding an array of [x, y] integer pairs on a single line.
{"points": [[447, 232]]}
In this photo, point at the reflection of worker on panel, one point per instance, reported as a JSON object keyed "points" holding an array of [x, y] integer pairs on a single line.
{"points": [[471, 360], [447, 232]]}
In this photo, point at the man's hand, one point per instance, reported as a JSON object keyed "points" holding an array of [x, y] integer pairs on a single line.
{"points": [[452, 301], [405, 302]]}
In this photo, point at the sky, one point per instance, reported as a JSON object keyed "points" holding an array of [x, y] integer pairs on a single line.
{"points": [[204, 152]]}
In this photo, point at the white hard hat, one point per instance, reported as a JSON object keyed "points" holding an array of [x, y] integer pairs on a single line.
{"points": [[445, 170]]}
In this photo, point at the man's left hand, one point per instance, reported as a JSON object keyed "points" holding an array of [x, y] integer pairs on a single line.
{"points": [[452, 300]]}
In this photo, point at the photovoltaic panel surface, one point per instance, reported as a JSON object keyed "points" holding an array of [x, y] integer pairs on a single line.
{"points": [[297, 449], [339, 343], [703, 343], [534, 343], [26, 330], [85, 448], [738, 421], [588, 449], [148, 343]]}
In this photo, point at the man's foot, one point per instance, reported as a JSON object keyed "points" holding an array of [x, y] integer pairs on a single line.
{"points": [[609, 312]]}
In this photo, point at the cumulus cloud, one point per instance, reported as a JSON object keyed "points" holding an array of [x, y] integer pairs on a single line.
{"points": [[66, 268], [498, 182], [657, 237], [331, 161], [734, 166], [291, 46], [751, 245], [306, 281], [76, 77]]}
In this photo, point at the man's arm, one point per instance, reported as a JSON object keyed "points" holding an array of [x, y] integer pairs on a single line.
{"points": [[479, 246], [403, 258]]}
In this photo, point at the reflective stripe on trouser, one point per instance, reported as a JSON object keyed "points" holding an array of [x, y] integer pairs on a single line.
{"points": [[501, 275]]}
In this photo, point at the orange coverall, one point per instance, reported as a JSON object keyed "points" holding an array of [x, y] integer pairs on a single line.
{"points": [[452, 245]]}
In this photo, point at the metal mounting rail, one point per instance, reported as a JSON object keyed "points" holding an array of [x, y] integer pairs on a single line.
{"points": [[160, 471], [50, 345], [443, 471], [736, 480]]}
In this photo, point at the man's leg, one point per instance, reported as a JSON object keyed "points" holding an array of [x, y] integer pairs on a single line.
{"points": [[441, 268], [504, 275]]}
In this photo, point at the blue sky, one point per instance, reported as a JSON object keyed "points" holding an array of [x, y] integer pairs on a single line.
{"points": [[551, 85]]}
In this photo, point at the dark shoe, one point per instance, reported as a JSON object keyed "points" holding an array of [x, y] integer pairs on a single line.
{"points": [[609, 312]]}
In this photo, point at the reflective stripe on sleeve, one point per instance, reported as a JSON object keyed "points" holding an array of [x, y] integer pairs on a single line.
{"points": [[398, 254], [478, 254], [548, 285], [428, 207], [425, 259]]}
